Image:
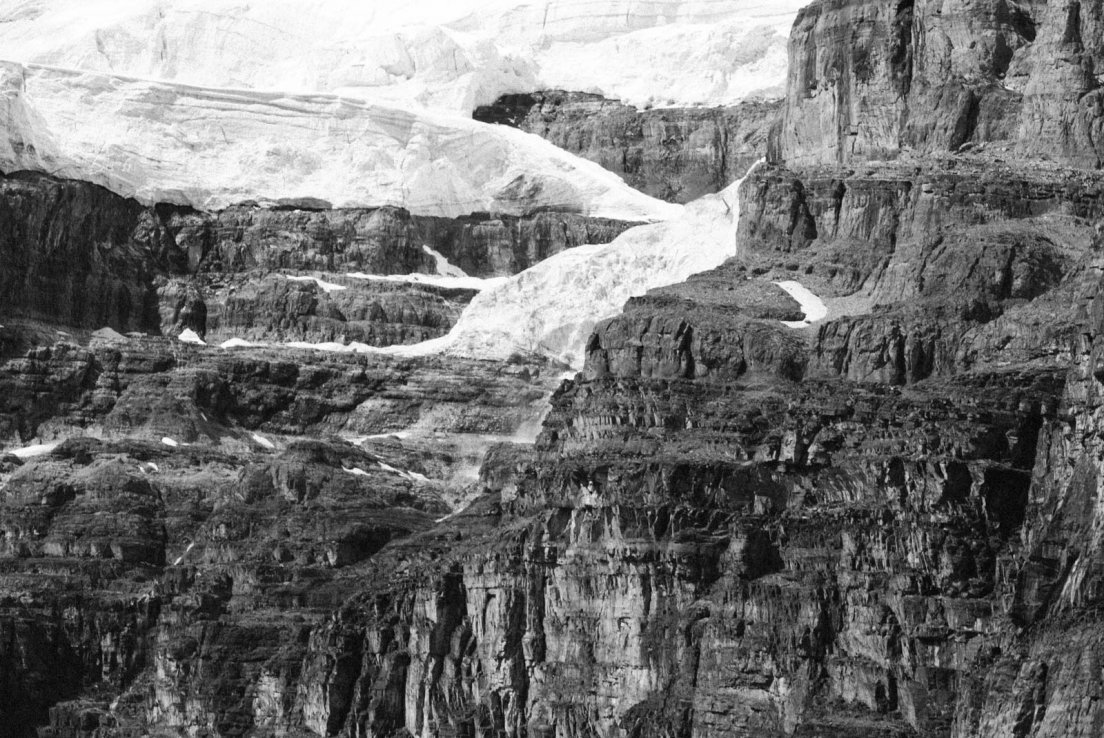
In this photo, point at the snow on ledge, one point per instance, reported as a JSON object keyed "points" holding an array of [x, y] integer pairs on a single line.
{"points": [[189, 336], [434, 280], [444, 267], [326, 286], [240, 343], [31, 452], [261, 440], [814, 308]]}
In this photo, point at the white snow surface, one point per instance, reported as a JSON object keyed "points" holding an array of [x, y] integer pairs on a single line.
{"points": [[187, 550], [452, 54], [814, 308], [323, 284], [210, 148], [30, 452], [240, 343], [189, 336], [444, 266], [261, 440], [412, 476], [356, 471]]}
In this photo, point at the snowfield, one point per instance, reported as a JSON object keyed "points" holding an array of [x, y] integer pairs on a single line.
{"points": [[452, 54]]}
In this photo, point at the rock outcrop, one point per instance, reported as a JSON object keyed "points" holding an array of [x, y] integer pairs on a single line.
{"points": [[871, 80], [675, 154]]}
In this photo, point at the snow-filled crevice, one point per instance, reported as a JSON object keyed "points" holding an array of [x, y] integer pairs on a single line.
{"points": [[814, 308]]}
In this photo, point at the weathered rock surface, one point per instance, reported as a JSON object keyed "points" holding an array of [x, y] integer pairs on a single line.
{"points": [[79, 258], [384, 240], [675, 154], [870, 80], [176, 567], [883, 524]]}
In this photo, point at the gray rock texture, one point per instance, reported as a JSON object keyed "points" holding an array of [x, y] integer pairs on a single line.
{"points": [[675, 154], [883, 524]]}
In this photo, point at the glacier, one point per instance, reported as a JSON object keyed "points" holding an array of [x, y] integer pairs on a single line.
{"points": [[454, 55], [211, 148]]}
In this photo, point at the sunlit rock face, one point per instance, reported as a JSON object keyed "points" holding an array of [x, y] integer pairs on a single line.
{"points": [[875, 80]]}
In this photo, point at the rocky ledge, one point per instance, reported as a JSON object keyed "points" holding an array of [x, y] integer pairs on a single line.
{"points": [[80, 258]]}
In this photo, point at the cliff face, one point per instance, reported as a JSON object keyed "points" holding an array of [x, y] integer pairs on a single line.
{"points": [[78, 258], [730, 523], [170, 575], [874, 80], [675, 154]]}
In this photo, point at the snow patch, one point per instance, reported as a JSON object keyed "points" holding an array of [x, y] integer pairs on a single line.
{"points": [[814, 308], [360, 440], [189, 336], [187, 550], [240, 343], [30, 452], [444, 266], [355, 471], [326, 286], [412, 476], [425, 348], [264, 442]]}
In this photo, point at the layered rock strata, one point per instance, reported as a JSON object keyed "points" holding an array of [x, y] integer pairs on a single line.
{"points": [[81, 258], [675, 154], [882, 524]]}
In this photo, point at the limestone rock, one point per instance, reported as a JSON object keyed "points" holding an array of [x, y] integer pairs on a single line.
{"points": [[675, 154]]}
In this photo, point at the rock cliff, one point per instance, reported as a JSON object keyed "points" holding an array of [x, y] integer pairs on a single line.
{"points": [[675, 154], [733, 521], [871, 80], [79, 258]]}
